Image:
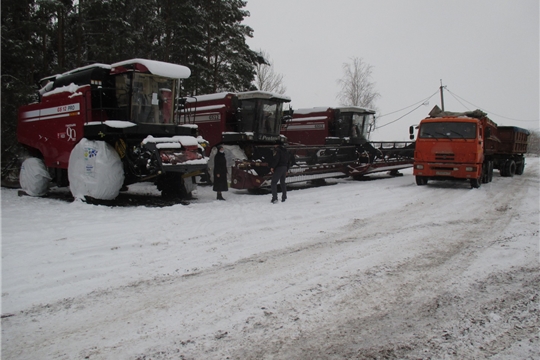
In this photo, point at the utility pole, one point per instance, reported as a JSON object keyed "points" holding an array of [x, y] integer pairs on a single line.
{"points": [[442, 99]]}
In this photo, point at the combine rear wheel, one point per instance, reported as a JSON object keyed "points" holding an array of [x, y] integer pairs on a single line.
{"points": [[34, 177], [172, 186]]}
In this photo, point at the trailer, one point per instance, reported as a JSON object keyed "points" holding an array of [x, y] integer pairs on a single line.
{"points": [[102, 127], [467, 146]]}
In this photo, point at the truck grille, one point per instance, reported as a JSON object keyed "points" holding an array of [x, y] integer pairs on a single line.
{"points": [[444, 157]]}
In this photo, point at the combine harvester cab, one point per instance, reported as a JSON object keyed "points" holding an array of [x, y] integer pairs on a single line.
{"points": [[337, 138], [102, 127], [467, 146]]}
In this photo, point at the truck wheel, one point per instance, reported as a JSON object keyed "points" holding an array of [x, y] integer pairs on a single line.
{"points": [[95, 170], [476, 183], [485, 172], [490, 171], [509, 168], [421, 180], [34, 177], [520, 168]]}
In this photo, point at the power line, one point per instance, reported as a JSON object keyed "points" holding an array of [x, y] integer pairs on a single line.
{"points": [[485, 110], [422, 102], [418, 102]]}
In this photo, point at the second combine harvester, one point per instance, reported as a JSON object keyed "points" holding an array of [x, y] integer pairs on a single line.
{"points": [[323, 142]]}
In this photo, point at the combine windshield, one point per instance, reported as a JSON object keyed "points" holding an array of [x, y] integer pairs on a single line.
{"points": [[353, 125], [150, 97], [448, 130], [262, 116]]}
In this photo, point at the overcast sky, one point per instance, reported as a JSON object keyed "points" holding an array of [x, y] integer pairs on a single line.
{"points": [[485, 51]]}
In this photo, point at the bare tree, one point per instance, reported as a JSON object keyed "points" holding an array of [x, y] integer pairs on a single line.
{"points": [[356, 86], [266, 79], [533, 146]]}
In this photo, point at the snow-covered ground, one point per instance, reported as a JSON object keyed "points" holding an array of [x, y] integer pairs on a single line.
{"points": [[357, 269]]}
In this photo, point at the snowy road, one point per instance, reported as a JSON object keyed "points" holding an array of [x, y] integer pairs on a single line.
{"points": [[355, 270]]}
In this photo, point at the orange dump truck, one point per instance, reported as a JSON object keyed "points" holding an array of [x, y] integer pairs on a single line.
{"points": [[467, 146]]}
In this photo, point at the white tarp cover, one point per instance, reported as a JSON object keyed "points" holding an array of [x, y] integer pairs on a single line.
{"points": [[232, 153], [34, 177], [95, 170]]}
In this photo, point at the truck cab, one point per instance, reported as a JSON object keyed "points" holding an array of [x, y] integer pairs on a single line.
{"points": [[466, 146]]}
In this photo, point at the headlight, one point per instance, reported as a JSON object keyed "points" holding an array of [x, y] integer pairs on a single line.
{"points": [[470, 168], [420, 166]]}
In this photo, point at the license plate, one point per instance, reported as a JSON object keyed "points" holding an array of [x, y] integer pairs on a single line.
{"points": [[442, 172]]}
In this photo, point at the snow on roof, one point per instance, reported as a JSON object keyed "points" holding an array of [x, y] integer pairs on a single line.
{"points": [[159, 68], [341, 108], [72, 88], [263, 95], [311, 118], [208, 97], [311, 110], [355, 109]]}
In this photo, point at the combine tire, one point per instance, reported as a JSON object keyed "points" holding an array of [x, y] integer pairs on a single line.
{"points": [[95, 171], [421, 180], [172, 186], [34, 177]]}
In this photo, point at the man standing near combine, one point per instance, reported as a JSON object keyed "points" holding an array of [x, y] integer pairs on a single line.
{"points": [[278, 168]]}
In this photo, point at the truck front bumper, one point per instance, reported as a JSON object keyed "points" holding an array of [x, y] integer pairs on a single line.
{"points": [[446, 171]]}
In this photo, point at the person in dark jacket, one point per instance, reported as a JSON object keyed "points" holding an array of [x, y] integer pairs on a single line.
{"points": [[278, 168], [220, 173]]}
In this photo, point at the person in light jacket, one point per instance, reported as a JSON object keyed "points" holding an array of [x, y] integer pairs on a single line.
{"points": [[220, 173]]}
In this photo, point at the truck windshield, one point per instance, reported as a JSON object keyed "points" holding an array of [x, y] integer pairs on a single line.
{"points": [[447, 130], [151, 97]]}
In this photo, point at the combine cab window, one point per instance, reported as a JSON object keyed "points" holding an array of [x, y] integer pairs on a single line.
{"points": [[358, 126], [151, 99], [448, 130], [262, 116], [344, 125], [270, 121]]}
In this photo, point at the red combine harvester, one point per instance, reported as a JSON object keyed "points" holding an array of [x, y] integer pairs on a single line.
{"points": [[246, 123], [323, 142], [102, 127], [338, 136]]}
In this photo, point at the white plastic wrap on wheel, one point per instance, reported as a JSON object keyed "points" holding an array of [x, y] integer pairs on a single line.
{"points": [[34, 177], [95, 170]]}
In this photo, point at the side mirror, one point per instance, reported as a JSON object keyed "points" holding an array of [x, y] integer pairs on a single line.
{"points": [[411, 132]]}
